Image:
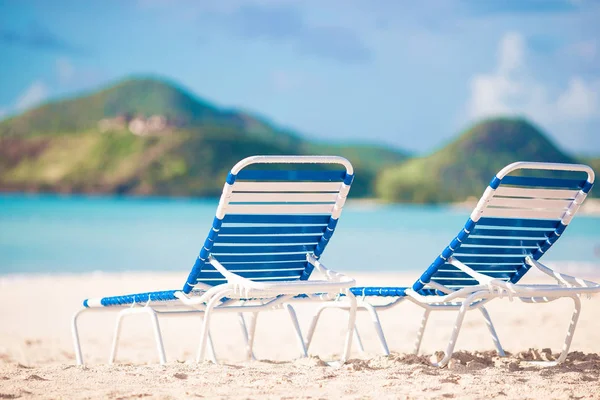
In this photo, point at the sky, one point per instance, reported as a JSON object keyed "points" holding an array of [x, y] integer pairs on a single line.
{"points": [[410, 74]]}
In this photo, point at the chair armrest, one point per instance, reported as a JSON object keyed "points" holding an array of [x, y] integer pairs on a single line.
{"points": [[334, 283], [329, 274], [456, 296], [564, 279]]}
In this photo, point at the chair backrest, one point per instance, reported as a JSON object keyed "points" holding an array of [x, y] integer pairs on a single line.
{"points": [[274, 211], [522, 213]]}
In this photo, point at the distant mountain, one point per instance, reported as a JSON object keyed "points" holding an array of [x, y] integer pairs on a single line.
{"points": [[150, 136], [137, 97], [465, 166]]}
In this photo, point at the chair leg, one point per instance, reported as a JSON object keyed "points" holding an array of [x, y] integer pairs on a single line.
{"points": [[351, 325], [490, 326], [251, 335], [568, 338], [378, 329], [358, 340], [296, 325], [157, 335], [75, 334], [205, 331], [421, 331], [313, 325], [244, 327], [211, 349], [455, 331], [160, 348], [116, 336], [571, 330]]}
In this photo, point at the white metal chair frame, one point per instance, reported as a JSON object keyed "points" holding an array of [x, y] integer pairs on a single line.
{"points": [[476, 296], [240, 294]]}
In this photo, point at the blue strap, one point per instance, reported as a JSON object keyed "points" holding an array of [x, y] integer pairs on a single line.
{"points": [[165, 295], [390, 291], [203, 256], [230, 178], [543, 182]]}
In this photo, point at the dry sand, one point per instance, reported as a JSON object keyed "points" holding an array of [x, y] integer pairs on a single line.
{"points": [[37, 359]]}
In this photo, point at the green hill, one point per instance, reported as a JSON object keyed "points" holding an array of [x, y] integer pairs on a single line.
{"points": [[465, 166], [86, 144]]}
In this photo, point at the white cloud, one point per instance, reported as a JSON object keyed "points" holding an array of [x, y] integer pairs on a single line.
{"points": [[64, 70], [580, 100], [510, 90], [3, 112], [512, 51], [489, 93], [33, 95]]}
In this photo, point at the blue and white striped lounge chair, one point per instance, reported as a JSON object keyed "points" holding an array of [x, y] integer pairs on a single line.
{"points": [[270, 229], [517, 220]]}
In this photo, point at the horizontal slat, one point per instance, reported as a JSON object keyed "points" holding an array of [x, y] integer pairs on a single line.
{"points": [[300, 187], [460, 274], [498, 266], [269, 239], [522, 214], [491, 259], [530, 203], [283, 175], [288, 197], [248, 258], [258, 265], [511, 267], [514, 233], [455, 282], [278, 208], [256, 274], [221, 249], [501, 242], [543, 182], [217, 281], [536, 193], [515, 222], [270, 230], [493, 250], [275, 219]]}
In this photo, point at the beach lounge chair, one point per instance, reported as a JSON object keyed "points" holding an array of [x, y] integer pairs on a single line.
{"points": [[520, 216], [274, 219]]}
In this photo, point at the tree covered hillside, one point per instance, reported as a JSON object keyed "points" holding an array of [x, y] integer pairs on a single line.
{"points": [[465, 166], [150, 136]]}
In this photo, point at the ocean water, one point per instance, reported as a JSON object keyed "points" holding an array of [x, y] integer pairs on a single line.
{"points": [[71, 234]]}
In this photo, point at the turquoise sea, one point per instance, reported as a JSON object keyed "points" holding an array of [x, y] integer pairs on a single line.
{"points": [[67, 234]]}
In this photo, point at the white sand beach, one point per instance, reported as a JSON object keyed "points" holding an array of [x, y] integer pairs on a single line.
{"points": [[37, 358]]}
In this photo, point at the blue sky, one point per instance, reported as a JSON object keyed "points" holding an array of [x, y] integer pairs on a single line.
{"points": [[408, 74]]}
